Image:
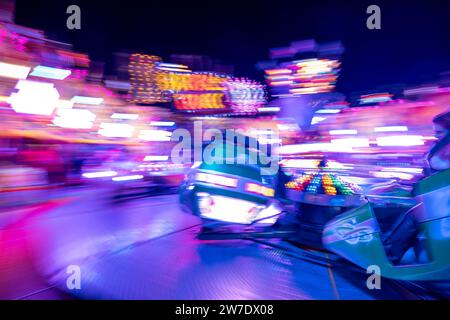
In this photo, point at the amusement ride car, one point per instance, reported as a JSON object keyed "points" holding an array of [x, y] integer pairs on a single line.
{"points": [[409, 243]]}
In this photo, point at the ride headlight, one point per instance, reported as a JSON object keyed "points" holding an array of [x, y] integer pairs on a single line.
{"points": [[234, 210], [269, 214]]}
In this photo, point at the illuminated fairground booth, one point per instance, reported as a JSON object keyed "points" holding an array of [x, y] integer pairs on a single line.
{"points": [[50, 103]]}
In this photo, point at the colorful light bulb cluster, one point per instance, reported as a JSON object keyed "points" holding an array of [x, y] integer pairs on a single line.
{"points": [[328, 185], [323, 183], [304, 77], [314, 185], [245, 96], [193, 101], [154, 81], [143, 79], [300, 183], [182, 82], [197, 91]]}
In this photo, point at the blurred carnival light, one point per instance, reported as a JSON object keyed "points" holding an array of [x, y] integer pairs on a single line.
{"points": [[316, 120], [128, 178], [8, 70], [269, 109], [314, 147], [390, 175], [39, 98], [64, 104], [87, 100], [162, 123], [328, 111], [343, 131], [400, 141], [125, 116], [50, 73], [375, 98], [144, 77], [156, 158], [116, 130], [245, 96], [173, 67], [155, 135], [74, 118], [352, 142], [306, 76], [100, 174], [391, 129]]}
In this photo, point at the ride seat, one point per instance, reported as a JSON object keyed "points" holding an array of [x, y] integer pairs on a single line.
{"points": [[400, 235], [398, 228], [389, 215], [432, 196]]}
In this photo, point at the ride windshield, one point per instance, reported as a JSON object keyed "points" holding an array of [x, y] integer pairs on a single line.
{"points": [[247, 159]]}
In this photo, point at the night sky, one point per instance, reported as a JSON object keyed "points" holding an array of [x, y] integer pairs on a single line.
{"points": [[413, 45]]}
